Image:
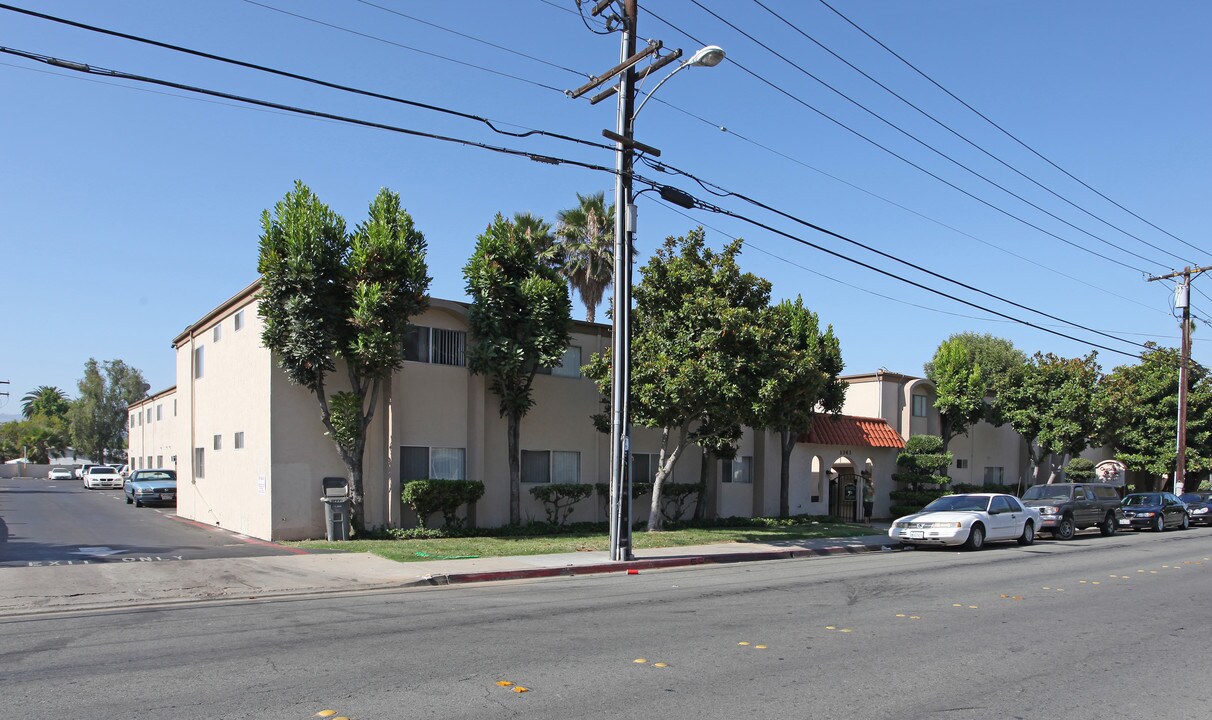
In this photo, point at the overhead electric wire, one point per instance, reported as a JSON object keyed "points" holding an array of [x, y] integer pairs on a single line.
{"points": [[913, 137], [88, 69], [303, 78], [908, 161], [368, 36], [473, 38], [959, 135], [104, 72], [757, 223], [1003, 130], [728, 193]]}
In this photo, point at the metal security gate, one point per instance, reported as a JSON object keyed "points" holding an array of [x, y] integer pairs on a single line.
{"points": [[844, 496]]}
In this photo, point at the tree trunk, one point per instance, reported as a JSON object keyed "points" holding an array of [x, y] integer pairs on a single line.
{"points": [[1056, 467], [589, 313], [669, 458], [700, 498], [515, 470], [786, 447]]}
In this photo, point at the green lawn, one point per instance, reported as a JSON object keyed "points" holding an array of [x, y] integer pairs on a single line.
{"points": [[406, 550]]}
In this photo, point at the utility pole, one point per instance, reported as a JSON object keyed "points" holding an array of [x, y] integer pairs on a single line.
{"points": [[1182, 299]]}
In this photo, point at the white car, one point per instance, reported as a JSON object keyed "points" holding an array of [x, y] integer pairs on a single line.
{"points": [[968, 520], [59, 473], [102, 476]]}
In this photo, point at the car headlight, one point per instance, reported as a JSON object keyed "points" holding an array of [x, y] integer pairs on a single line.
{"points": [[1048, 510], [1199, 511], [1145, 514], [944, 525]]}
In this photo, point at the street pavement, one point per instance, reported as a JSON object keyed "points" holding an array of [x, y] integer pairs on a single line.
{"points": [[52, 586]]}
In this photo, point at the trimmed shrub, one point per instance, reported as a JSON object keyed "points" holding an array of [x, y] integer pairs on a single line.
{"points": [[559, 498], [427, 497], [676, 498], [1080, 470], [920, 463]]}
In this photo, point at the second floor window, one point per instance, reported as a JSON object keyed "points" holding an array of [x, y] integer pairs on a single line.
{"points": [[919, 406], [435, 345]]}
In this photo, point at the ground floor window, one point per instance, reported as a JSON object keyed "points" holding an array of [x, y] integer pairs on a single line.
{"points": [[738, 470], [551, 466], [995, 475], [426, 463], [199, 462]]}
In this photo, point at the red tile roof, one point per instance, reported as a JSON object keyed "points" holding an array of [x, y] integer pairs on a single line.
{"points": [[854, 431]]}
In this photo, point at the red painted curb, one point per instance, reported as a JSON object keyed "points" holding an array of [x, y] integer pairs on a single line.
{"points": [[653, 564]]}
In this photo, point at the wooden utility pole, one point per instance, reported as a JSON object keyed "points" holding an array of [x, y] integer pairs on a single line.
{"points": [[1183, 302]]}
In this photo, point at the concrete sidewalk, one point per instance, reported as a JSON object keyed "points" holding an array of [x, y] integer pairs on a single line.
{"points": [[116, 585]]}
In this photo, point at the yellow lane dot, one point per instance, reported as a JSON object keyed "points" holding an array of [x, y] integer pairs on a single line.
{"points": [[1004, 595], [326, 713], [763, 647], [1096, 582], [1047, 588], [915, 617], [520, 689], [831, 627], [1124, 577], [900, 615], [845, 630], [961, 604], [660, 664], [1140, 571], [1083, 582], [1060, 589], [1152, 572], [639, 661], [1017, 597], [971, 607], [742, 643], [503, 683]]}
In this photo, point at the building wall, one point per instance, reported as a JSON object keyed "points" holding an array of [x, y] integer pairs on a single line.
{"points": [[231, 396], [152, 432]]}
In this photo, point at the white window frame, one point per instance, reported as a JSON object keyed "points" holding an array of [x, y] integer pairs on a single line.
{"points": [[740, 470], [218, 332], [238, 320]]}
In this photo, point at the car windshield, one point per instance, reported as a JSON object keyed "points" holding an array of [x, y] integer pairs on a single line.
{"points": [[1046, 492], [154, 475], [1191, 498], [100, 469], [958, 503], [1147, 499]]}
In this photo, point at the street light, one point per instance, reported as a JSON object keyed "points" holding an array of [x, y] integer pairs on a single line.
{"points": [[620, 422]]}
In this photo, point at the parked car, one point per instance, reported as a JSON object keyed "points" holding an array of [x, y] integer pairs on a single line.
{"points": [[150, 486], [969, 520], [124, 470], [81, 471], [102, 476], [1155, 510], [59, 473], [1199, 507], [1065, 508]]}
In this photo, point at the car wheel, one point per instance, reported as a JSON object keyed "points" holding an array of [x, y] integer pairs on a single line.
{"points": [[976, 538], [129, 500], [1186, 522], [1065, 530], [138, 504], [1028, 535], [1159, 523], [1108, 527]]}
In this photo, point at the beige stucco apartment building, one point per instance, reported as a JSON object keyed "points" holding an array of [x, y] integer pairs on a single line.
{"points": [[152, 432], [251, 449]]}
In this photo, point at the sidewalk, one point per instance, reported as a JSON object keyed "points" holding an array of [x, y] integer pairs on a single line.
{"points": [[117, 585]]}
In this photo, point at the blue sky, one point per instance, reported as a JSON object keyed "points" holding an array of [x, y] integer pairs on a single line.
{"points": [[127, 211]]}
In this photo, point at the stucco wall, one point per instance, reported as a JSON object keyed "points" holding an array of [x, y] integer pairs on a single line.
{"points": [[155, 437]]}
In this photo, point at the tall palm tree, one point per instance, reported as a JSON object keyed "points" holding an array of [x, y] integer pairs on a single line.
{"points": [[44, 400], [585, 238]]}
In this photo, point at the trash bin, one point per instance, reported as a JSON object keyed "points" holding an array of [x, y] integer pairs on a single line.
{"points": [[336, 508]]}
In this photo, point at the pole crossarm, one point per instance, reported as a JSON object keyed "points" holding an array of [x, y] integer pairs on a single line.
{"points": [[1182, 273], [613, 72]]}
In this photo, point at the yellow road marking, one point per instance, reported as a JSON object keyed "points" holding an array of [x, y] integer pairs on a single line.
{"points": [[504, 683], [326, 713], [660, 665], [520, 689], [760, 647], [742, 643], [640, 661]]}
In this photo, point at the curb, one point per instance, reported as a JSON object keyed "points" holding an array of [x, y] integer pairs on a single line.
{"points": [[654, 564]]}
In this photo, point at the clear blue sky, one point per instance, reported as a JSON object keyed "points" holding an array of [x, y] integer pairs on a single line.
{"points": [[127, 211]]}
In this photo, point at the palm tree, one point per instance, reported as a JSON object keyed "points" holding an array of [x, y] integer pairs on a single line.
{"points": [[44, 400], [585, 241], [538, 230]]}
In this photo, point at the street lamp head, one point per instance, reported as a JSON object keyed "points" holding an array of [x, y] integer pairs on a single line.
{"points": [[709, 56]]}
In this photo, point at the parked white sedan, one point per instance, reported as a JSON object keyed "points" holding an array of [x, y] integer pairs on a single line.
{"points": [[968, 520], [102, 476]]}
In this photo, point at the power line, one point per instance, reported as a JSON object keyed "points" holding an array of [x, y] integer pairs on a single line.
{"points": [[727, 193], [908, 161], [1003, 130], [303, 78], [913, 137], [959, 135], [405, 47], [548, 159]]}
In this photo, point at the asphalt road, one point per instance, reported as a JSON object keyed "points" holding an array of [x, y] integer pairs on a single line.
{"points": [[60, 523], [1094, 628]]}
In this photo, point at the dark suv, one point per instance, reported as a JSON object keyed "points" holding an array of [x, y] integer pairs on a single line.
{"points": [[1065, 508]]}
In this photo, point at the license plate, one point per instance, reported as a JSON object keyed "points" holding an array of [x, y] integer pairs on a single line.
{"points": [[167, 496], [1125, 521], [916, 534]]}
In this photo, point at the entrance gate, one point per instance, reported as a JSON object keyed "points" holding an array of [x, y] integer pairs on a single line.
{"points": [[843, 496]]}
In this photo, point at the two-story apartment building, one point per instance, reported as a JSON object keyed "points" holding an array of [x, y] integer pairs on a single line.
{"points": [[152, 431]]}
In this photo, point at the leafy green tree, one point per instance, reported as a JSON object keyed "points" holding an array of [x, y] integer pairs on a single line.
{"points": [[697, 350], [799, 380], [97, 416], [520, 322], [44, 400], [966, 369], [1051, 404], [921, 463], [584, 249], [1137, 407], [35, 438], [328, 295]]}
